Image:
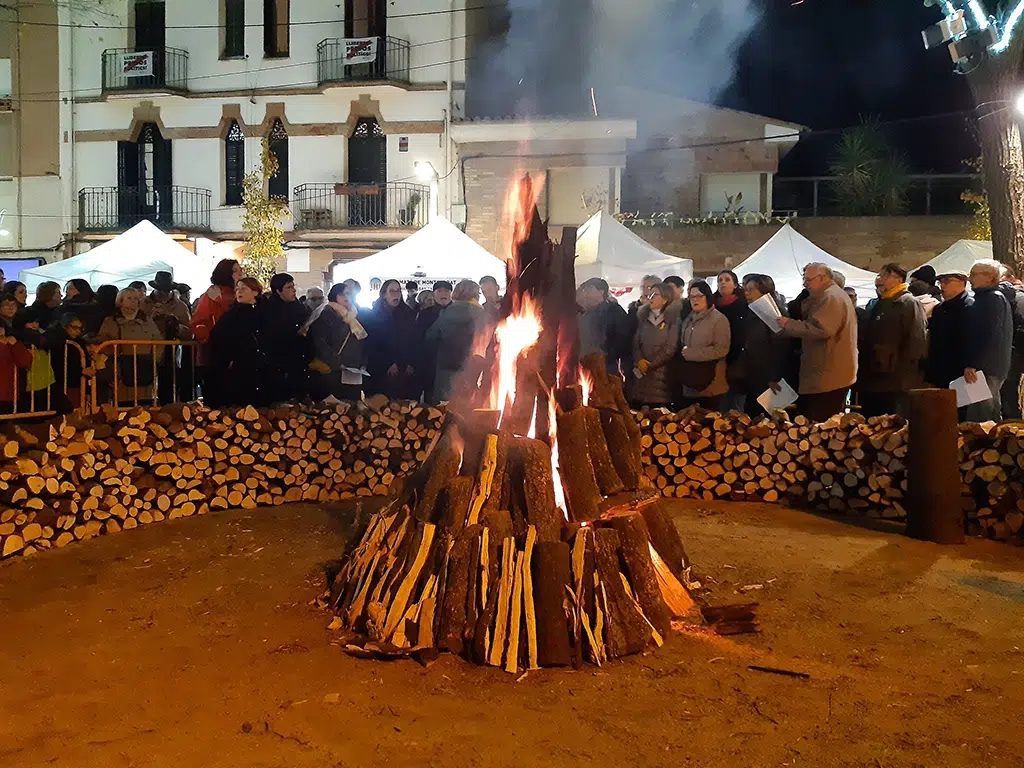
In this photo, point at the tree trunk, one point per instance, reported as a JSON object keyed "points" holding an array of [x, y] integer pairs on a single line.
{"points": [[995, 86]]}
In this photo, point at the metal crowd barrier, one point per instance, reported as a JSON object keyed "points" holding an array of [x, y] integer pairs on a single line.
{"points": [[28, 404], [164, 365]]}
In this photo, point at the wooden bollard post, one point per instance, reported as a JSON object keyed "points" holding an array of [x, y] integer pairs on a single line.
{"points": [[933, 469]]}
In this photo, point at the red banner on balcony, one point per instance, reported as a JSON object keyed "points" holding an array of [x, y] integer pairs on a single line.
{"points": [[360, 50]]}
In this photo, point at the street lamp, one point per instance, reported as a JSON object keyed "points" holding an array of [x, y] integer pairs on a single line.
{"points": [[3, 232], [425, 172]]}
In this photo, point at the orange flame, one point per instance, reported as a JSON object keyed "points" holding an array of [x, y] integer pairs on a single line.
{"points": [[520, 201], [555, 475], [588, 384], [515, 334]]}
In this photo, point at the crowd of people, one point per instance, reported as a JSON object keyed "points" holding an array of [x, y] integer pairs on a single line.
{"points": [[253, 344], [679, 344], [683, 344]]}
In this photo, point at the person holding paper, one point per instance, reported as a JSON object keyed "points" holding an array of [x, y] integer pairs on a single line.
{"points": [[828, 349], [762, 360], [947, 332], [654, 346], [990, 337], [892, 346]]}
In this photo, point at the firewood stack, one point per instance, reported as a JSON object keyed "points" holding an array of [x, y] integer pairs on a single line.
{"points": [[846, 463], [992, 466], [497, 552], [80, 478]]}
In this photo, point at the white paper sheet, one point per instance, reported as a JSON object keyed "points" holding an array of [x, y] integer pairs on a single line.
{"points": [[771, 401], [766, 309], [966, 394]]}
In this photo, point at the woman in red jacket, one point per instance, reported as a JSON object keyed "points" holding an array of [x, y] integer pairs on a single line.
{"points": [[13, 355], [210, 309]]}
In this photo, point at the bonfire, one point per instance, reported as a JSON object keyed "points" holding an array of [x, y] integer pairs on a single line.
{"points": [[530, 536]]}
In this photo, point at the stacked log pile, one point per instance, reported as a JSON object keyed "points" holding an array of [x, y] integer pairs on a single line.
{"points": [[992, 467], [79, 478], [846, 463]]}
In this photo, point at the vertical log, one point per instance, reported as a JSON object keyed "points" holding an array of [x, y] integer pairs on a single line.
{"points": [[582, 493], [551, 576], [933, 471], [604, 468], [665, 537], [533, 459], [643, 577], [625, 630]]}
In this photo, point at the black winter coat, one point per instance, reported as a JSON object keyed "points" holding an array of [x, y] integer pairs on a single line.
{"points": [[279, 333], [948, 341], [393, 340], [990, 330], [605, 329], [237, 358], [764, 357], [736, 313]]}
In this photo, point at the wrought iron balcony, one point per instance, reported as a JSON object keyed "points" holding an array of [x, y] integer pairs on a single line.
{"points": [[162, 69], [392, 62], [321, 207], [115, 209]]}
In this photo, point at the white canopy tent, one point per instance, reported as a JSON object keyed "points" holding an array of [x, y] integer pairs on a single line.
{"points": [[960, 256], [784, 257], [438, 251], [606, 248], [137, 254]]}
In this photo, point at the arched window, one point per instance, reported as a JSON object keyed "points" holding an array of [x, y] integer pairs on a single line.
{"points": [[278, 139], [234, 164]]}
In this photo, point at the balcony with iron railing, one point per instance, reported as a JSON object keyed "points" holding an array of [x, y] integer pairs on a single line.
{"points": [[323, 207], [924, 194], [162, 69], [116, 209], [392, 62]]}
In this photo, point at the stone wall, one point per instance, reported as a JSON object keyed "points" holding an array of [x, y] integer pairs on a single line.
{"points": [[865, 242]]}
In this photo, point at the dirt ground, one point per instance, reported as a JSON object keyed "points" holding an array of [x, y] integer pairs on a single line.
{"points": [[193, 643]]}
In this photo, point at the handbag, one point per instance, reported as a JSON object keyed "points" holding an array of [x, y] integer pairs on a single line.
{"points": [[40, 374], [697, 374]]}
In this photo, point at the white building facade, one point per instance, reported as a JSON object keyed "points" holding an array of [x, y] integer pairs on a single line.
{"points": [[172, 101], [165, 107]]}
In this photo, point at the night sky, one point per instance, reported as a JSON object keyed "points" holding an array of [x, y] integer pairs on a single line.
{"points": [[826, 63]]}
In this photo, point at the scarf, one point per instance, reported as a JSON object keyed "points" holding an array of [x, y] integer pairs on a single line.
{"points": [[350, 317], [896, 291], [725, 301]]}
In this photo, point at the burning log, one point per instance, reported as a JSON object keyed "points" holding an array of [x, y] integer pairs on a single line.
{"points": [[533, 458], [581, 491]]}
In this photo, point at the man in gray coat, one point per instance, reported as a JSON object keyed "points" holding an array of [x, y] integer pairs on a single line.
{"points": [[894, 343], [828, 345]]}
